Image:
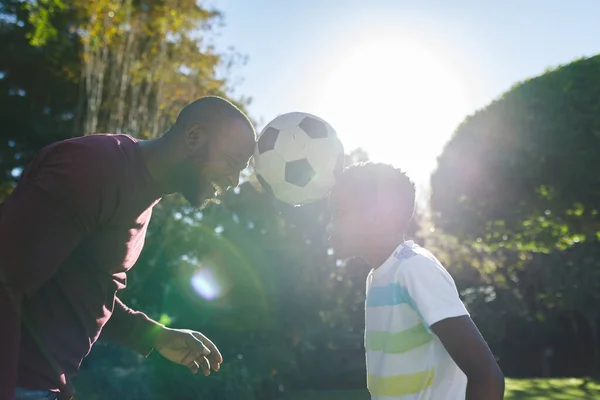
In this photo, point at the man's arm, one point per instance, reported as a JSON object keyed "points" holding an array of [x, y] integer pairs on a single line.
{"points": [[135, 330], [131, 328], [40, 225], [468, 349]]}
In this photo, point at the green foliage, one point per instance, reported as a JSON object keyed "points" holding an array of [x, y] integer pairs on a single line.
{"points": [[40, 14], [519, 173], [551, 389], [37, 92], [515, 186], [143, 61], [512, 181]]}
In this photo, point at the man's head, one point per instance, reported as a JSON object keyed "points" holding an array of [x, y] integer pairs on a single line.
{"points": [[370, 203], [212, 140]]}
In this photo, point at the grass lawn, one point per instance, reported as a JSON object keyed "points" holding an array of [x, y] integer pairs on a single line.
{"points": [[553, 389], [516, 389]]}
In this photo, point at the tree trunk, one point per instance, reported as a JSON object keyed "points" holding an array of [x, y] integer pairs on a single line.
{"points": [[578, 339], [120, 74], [593, 321]]}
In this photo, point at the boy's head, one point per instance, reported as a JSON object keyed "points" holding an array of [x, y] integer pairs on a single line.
{"points": [[370, 203]]}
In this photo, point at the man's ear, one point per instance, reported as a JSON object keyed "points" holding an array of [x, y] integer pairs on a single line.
{"points": [[195, 136]]}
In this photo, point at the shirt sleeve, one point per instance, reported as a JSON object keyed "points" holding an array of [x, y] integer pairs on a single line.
{"points": [[431, 290], [41, 223], [132, 329]]}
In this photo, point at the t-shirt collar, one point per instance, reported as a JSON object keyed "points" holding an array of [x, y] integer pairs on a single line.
{"points": [[393, 258]]}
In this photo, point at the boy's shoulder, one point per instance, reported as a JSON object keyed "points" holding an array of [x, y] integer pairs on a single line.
{"points": [[410, 253], [405, 256], [414, 259], [405, 253]]}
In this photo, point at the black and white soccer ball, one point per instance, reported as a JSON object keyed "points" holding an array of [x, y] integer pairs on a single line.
{"points": [[298, 157]]}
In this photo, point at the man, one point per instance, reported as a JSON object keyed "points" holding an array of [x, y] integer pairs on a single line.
{"points": [[75, 225], [419, 339]]}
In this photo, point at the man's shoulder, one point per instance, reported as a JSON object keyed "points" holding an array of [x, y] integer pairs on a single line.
{"points": [[101, 144], [103, 153], [85, 166]]}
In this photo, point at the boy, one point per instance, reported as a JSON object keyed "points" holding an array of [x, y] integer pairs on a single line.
{"points": [[420, 342]]}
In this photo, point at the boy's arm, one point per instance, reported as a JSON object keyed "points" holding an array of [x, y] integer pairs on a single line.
{"points": [[468, 349], [435, 298]]}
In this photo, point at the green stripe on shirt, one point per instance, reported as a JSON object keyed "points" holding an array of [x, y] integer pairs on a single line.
{"points": [[398, 342]]}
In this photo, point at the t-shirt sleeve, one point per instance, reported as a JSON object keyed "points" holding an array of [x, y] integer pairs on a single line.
{"points": [[431, 290]]}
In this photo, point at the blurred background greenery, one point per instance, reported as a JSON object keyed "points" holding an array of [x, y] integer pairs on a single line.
{"points": [[513, 215]]}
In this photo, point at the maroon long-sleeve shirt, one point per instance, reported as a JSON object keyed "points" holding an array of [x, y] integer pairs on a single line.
{"points": [[69, 232]]}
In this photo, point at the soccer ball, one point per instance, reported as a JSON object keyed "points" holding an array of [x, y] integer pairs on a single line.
{"points": [[297, 158]]}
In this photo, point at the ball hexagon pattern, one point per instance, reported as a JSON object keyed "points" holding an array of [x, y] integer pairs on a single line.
{"points": [[267, 140], [297, 158]]}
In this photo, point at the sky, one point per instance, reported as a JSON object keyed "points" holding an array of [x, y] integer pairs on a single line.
{"points": [[396, 77]]}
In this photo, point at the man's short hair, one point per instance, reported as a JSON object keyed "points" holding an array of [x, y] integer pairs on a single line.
{"points": [[213, 112], [369, 182]]}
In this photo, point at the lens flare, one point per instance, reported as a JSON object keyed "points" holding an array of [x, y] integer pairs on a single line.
{"points": [[205, 284]]}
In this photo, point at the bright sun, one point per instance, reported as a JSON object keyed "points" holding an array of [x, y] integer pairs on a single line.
{"points": [[397, 101]]}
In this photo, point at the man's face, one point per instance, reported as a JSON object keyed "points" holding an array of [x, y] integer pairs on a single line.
{"points": [[352, 227], [217, 164]]}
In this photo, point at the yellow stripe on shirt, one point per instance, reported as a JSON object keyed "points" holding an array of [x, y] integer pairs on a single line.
{"points": [[399, 385], [398, 342]]}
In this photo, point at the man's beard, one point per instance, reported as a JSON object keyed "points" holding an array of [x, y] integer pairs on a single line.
{"points": [[198, 192], [195, 187]]}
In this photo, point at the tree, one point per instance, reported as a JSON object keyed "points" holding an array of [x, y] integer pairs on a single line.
{"points": [[143, 61], [571, 288], [140, 61], [519, 173], [515, 186], [38, 93]]}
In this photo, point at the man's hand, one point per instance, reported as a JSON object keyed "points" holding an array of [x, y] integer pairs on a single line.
{"points": [[188, 348]]}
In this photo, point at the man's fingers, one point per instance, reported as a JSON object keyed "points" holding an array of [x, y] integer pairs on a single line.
{"points": [[204, 364], [195, 344], [190, 356], [194, 367], [215, 354], [201, 363]]}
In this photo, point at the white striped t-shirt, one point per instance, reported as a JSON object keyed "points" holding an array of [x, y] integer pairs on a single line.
{"points": [[407, 294]]}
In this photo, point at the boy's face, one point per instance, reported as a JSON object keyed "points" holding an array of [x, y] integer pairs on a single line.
{"points": [[352, 226]]}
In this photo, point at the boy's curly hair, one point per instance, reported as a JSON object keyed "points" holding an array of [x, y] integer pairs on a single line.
{"points": [[368, 181]]}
